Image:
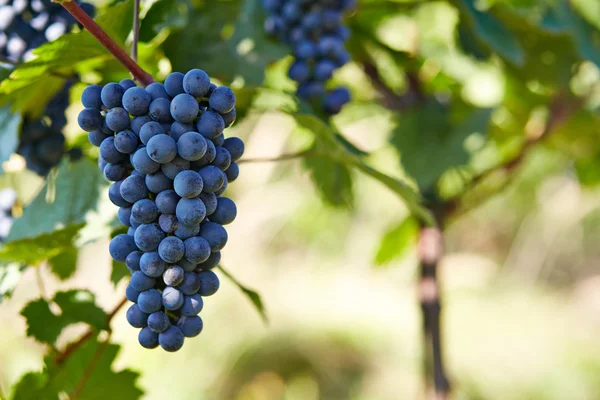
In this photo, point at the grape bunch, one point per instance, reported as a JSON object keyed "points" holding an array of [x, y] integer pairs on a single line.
{"points": [[316, 34], [42, 142], [8, 198], [164, 149], [27, 24]]}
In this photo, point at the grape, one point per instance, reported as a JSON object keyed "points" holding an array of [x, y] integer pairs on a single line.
{"points": [[192, 305], [336, 99], [166, 201], [133, 188], [173, 275], [112, 95], [190, 212], [109, 152], [171, 340], [191, 146], [149, 130], [158, 182], [171, 249], [232, 172], [160, 110], [225, 213], [215, 235], [219, 140], [150, 301], [213, 261], [196, 83], [184, 108], [229, 118], [209, 283], [172, 298], [168, 223], [174, 84], [210, 202], [190, 326], [207, 158], [120, 247], [197, 250], [126, 142], [222, 159], [90, 97], [114, 194], [114, 172], [158, 322], [124, 214], [212, 177], [210, 125], [299, 71], [131, 293], [117, 119], [144, 211], [162, 148], [90, 119], [178, 129], [148, 338], [136, 317], [184, 231], [151, 264], [96, 137], [190, 284], [222, 190], [133, 261], [142, 162], [156, 91], [222, 100], [305, 50], [186, 265], [137, 101], [188, 184], [235, 147], [171, 169], [148, 237]]}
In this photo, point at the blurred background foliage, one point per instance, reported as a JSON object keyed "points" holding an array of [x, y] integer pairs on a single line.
{"points": [[488, 110]]}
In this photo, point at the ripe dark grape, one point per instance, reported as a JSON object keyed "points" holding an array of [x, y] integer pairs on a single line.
{"points": [[165, 149]]}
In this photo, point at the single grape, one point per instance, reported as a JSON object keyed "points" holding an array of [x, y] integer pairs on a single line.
{"points": [[141, 282], [184, 231], [158, 322], [127, 83], [232, 172], [192, 305], [212, 262], [209, 283], [190, 284], [124, 214], [212, 177], [126, 142], [133, 188], [210, 124], [144, 211], [171, 169], [222, 100], [188, 184], [160, 110], [184, 108], [96, 137], [190, 212], [173, 275], [197, 249], [172, 298], [149, 130], [157, 90], [152, 265], [171, 340], [112, 95], [148, 237], [142, 162], [136, 317], [133, 261], [171, 249], [222, 159], [191, 146], [190, 326], [150, 301], [114, 172], [120, 247], [215, 235], [299, 71], [90, 97], [90, 119], [162, 148], [131, 293], [117, 119], [229, 118], [114, 194], [137, 101], [168, 223], [174, 83], [225, 213], [196, 83], [177, 129], [166, 201], [109, 152], [210, 202], [158, 182], [148, 338]]}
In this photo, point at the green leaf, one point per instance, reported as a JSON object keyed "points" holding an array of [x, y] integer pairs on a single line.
{"points": [[333, 180], [63, 201], [252, 295], [64, 264], [86, 375], [46, 246], [9, 133], [397, 240], [75, 306], [119, 271], [491, 31]]}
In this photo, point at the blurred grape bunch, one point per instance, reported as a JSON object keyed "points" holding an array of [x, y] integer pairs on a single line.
{"points": [[8, 198], [27, 24], [329, 366]]}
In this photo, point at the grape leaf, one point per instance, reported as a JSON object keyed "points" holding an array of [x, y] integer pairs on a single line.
{"points": [[333, 180], [75, 192], [9, 133], [75, 306], [396, 241], [86, 375], [10, 275], [118, 272], [64, 264], [252, 295]]}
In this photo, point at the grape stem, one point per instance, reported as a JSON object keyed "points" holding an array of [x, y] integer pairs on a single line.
{"points": [[80, 15], [70, 349], [283, 157], [136, 30]]}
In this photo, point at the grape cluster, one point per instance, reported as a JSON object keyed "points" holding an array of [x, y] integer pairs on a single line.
{"points": [[42, 142], [27, 24], [316, 34], [164, 149], [8, 198]]}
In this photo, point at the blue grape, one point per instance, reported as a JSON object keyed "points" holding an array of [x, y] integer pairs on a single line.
{"points": [[222, 159], [117, 119], [144, 211], [109, 152], [229, 118], [114, 172], [222, 100], [191, 146], [190, 212], [140, 281], [126, 142], [137, 101], [335, 100], [120, 247], [305, 50], [225, 213], [197, 250], [158, 322], [133, 261], [212, 177], [196, 83], [171, 169], [192, 305], [190, 326], [173, 275], [114, 194], [172, 298], [210, 202], [171, 249], [219, 140], [208, 157], [209, 283], [112, 95], [90, 97], [157, 90], [299, 71], [162, 148], [124, 214], [166, 201], [178, 129], [171, 340], [324, 70], [148, 338], [136, 317], [150, 301], [152, 265], [168, 223], [210, 125], [184, 108], [148, 237], [222, 190], [311, 90], [158, 182], [90, 119], [96, 137], [160, 110], [133, 188], [215, 235], [149, 130], [190, 284], [184, 231], [212, 262], [188, 184], [186, 265], [127, 83], [142, 162], [174, 83], [232, 172], [131, 294], [137, 123]]}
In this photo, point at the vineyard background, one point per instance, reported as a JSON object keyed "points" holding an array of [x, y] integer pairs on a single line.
{"points": [[489, 110]]}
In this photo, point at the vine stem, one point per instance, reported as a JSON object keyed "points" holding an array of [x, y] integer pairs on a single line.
{"points": [[87, 373], [137, 72], [136, 30], [70, 349], [282, 157]]}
